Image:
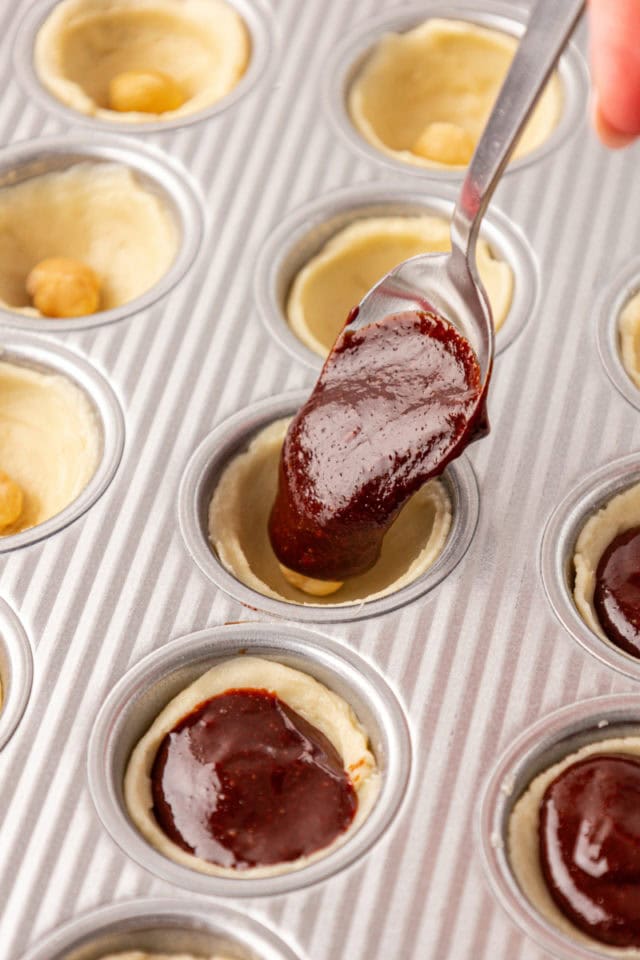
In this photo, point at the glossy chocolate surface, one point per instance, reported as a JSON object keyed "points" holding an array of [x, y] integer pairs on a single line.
{"points": [[396, 402], [590, 846], [617, 592], [244, 781]]}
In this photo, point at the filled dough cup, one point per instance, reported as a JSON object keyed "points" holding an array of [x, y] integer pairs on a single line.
{"points": [[61, 436], [509, 815], [321, 260], [328, 686], [603, 506], [226, 495], [170, 928], [143, 65], [618, 331], [16, 671], [414, 90], [129, 214]]}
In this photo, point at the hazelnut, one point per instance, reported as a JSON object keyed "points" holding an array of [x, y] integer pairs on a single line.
{"points": [[10, 500], [145, 92], [61, 287], [316, 588], [445, 143]]}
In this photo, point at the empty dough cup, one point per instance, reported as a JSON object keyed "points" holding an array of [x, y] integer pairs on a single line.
{"points": [[130, 213], [142, 65], [561, 542], [147, 688], [66, 467], [507, 856], [345, 241], [413, 90], [163, 926], [239, 460]]}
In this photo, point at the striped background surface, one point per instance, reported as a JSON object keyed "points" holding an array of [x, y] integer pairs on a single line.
{"points": [[474, 665]]}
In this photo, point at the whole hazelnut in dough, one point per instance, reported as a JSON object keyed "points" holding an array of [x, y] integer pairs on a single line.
{"points": [[445, 143], [145, 92], [62, 287], [10, 500], [315, 588]]}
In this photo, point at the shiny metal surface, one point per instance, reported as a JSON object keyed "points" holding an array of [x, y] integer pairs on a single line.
{"points": [[147, 688], [234, 435], [16, 672]]}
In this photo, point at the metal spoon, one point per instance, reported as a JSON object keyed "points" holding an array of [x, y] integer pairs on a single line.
{"points": [[448, 283]]}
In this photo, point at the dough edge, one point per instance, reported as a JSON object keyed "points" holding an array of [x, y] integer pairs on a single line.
{"points": [[629, 334], [523, 843], [229, 549], [495, 273], [621, 513], [323, 708]]}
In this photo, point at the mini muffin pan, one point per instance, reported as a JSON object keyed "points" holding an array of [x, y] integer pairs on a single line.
{"points": [[463, 659], [194, 927], [303, 234], [353, 50], [155, 172], [233, 437], [142, 693], [257, 19], [24, 349]]}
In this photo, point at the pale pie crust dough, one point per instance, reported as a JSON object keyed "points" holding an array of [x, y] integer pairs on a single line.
{"points": [[441, 71], [629, 331], [202, 44], [239, 514], [327, 711], [523, 847], [48, 441], [621, 513], [355, 258], [96, 213]]}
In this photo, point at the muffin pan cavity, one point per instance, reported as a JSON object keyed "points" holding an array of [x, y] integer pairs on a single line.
{"points": [[16, 672], [130, 213], [390, 586], [353, 55], [305, 233], [163, 926], [103, 412], [618, 318], [543, 745], [143, 692]]}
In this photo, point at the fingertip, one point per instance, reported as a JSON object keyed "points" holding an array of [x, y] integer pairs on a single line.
{"points": [[606, 132]]}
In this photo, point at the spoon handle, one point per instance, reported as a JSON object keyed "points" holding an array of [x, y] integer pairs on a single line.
{"points": [[551, 23]]}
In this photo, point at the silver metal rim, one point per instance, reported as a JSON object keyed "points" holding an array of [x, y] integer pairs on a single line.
{"points": [[349, 54], [614, 298], [30, 350], [231, 436], [557, 549], [258, 19], [16, 671], [337, 667], [502, 235], [537, 748], [135, 915], [167, 177]]}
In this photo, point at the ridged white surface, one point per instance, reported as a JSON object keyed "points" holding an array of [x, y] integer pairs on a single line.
{"points": [[473, 665]]}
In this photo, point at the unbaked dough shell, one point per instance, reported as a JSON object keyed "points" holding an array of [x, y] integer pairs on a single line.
{"points": [[629, 331], [314, 702]]}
